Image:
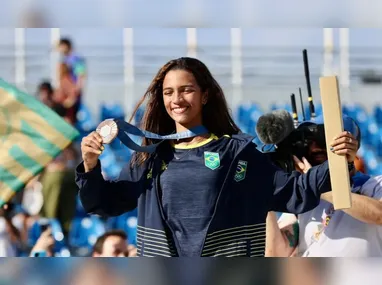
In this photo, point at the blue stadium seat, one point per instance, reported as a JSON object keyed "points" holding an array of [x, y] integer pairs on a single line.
{"points": [[256, 114], [378, 114], [374, 138], [248, 115], [281, 106], [370, 158], [251, 124], [84, 233], [121, 153], [126, 222], [109, 163], [378, 143], [369, 131], [114, 111], [351, 109], [139, 115], [245, 112], [85, 121], [362, 119], [242, 127], [378, 170], [318, 109], [63, 252], [123, 156], [307, 113]]}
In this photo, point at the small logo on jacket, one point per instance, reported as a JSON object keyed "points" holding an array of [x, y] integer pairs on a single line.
{"points": [[211, 160], [241, 170]]}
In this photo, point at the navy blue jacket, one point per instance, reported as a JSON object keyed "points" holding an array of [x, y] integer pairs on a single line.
{"points": [[238, 224]]}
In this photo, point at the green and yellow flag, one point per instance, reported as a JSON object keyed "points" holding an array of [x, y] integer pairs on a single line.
{"points": [[31, 136]]}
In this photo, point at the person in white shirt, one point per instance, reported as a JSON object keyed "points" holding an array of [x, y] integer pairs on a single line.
{"points": [[325, 232]]}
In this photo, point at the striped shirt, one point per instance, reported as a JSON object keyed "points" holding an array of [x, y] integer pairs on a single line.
{"points": [[189, 206]]}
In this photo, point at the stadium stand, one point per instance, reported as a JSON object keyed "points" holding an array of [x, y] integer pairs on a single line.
{"points": [[85, 228]]}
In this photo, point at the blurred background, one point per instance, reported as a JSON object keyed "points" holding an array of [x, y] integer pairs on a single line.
{"points": [[258, 69], [79, 271]]}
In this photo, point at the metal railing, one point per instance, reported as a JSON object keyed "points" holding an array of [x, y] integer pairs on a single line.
{"points": [[121, 73]]}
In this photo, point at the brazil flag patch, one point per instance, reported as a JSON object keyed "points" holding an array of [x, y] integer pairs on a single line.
{"points": [[241, 170], [211, 160]]}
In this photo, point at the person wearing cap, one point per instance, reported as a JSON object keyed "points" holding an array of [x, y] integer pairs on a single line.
{"points": [[323, 231]]}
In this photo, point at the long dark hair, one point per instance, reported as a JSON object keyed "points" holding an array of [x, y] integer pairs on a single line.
{"points": [[216, 115]]}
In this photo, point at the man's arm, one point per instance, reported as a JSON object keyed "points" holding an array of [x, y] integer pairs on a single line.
{"points": [[281, 237], [364, 208]]}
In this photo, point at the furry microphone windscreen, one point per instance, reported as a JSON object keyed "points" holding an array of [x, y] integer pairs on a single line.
{"points": [[274, 127]]}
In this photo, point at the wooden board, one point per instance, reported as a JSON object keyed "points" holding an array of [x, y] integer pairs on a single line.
{"points": [[338, 167]]}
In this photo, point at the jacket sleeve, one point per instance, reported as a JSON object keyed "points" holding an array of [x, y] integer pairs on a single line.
{"points": [[107, 198], [295, 192]]}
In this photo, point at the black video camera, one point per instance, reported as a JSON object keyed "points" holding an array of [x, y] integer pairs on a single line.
{"points": [[298, 141], [297, 144]]}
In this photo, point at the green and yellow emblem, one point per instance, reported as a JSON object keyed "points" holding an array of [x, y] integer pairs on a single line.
{"points": [[241, 170], [211, 160]]}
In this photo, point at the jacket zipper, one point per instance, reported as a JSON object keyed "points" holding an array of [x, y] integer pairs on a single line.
{"points": [[177, 246], [220, 192]]}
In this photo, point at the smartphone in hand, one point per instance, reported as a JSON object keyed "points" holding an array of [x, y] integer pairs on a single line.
{"points": [[44, 225]]}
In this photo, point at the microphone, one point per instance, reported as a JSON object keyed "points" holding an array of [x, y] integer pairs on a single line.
{"points": [[274, 127]]}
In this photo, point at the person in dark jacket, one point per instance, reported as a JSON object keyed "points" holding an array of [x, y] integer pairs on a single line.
{"points": [[208, 195]]}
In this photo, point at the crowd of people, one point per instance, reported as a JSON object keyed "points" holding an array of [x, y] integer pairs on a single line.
{"points": [[53, 193], [239, 202]]}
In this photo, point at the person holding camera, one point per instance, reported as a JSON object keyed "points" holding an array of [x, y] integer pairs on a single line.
{"points": [[323, 231]]}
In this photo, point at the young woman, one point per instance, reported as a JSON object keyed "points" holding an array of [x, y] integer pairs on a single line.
{"points": [[204, 196]]}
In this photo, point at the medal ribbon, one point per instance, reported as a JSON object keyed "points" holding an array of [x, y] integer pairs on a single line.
{"points": [[125, 129]]}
